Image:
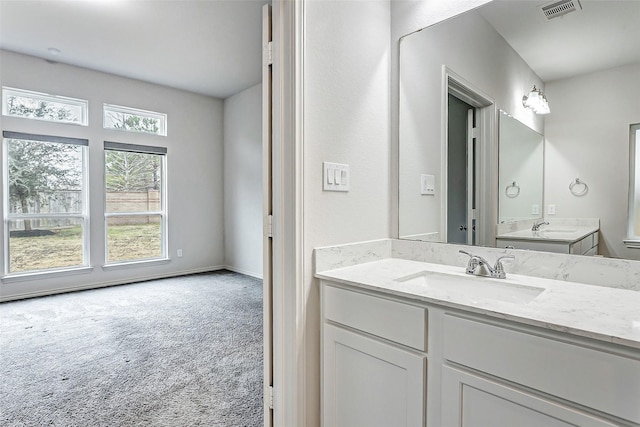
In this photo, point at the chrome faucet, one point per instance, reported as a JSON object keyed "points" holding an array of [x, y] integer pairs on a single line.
{"points": [[476, 261], [537, 225]]}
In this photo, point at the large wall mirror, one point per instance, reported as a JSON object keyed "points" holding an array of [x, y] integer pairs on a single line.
{"points": [[467, 144]]}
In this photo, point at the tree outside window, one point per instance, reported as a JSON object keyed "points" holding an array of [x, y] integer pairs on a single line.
{"points": [[135, 213], [45, 197]]}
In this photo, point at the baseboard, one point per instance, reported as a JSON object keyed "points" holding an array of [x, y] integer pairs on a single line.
{"points": [[241, 271], [111, 283]]}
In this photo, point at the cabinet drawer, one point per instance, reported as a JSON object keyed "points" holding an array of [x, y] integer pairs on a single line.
{"points": [[403, 323], [604, 381]]}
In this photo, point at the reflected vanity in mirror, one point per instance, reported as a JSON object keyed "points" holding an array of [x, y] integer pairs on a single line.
{"points": [[519, 168]]}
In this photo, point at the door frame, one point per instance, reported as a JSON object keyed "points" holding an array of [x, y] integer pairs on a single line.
{"points": [[289, 309], [487, 155]]}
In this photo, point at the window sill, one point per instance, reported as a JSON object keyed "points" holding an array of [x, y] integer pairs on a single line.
{"points": [[23, 277], [632, 243], [133, 264]]}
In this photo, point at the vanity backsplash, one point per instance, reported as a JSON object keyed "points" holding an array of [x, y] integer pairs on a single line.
{"points": [[609, 272]]}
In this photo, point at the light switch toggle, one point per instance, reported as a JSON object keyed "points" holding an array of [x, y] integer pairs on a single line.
{"points": [[335, 176]]}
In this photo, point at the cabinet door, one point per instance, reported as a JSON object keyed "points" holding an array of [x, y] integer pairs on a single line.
{"points": [[472, 401], [369, 383]]}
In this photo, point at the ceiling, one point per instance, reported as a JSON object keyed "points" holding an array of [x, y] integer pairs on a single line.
{"points": [[211, 47], [603, 34]]}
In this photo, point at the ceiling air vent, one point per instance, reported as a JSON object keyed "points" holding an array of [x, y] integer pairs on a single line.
{"points": [[560, 8]]}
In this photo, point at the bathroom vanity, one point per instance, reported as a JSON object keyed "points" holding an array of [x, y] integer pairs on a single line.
{"points": [[413, 343], [578, 241], [576, 236]]}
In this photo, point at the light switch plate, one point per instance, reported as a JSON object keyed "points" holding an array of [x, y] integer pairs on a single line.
{"points": [[427, 184], [335, 176]]}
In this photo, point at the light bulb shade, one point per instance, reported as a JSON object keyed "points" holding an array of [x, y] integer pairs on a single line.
{"points": [[536, 101]]}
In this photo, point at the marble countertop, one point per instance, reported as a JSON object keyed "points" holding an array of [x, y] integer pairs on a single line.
{"points": [[602, 313], [564, 234]]}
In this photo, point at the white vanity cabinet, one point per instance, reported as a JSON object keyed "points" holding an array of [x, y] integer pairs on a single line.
{"points": [[373, 362], [586, 245], [483, 371]]}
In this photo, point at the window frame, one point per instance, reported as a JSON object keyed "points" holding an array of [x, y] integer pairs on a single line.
{"points": [[83, 215], [82, 103], [112, 108], [164, 235], [633, 240]]}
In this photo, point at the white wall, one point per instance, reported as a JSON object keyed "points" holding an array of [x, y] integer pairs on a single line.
{"points": [[346, 120], [194, 143], [590, 140], [243, 181]]}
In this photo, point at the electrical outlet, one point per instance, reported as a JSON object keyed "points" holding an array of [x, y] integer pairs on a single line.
{"points": [[535, 209], [551, 209], [179, 253]]}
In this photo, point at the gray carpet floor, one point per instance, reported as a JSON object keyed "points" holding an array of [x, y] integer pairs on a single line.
{"points": [[184, 351]]}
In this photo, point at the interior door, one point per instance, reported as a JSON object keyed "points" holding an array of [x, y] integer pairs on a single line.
{"points": [[460, 172], [267, 210], [472, 176]]}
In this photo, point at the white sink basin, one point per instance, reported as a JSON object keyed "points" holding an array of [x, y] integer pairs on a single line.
{"points": [[557, 230], [473, 288]]}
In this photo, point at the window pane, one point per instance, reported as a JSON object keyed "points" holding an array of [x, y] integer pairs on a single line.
{"points": [[134, 181], [40, 106], [43, 243], [134, 120], [135, 237], [44, 177]]}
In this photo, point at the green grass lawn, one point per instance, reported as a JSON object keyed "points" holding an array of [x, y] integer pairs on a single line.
{"points": [[63, 248]]}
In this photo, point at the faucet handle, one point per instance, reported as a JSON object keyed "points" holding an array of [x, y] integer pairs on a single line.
{"points": [[466, 253], [498, 270], [474, 261]]}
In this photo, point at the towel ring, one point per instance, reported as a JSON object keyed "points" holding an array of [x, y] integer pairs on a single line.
{"points": [[515, 190], [575, 191]]}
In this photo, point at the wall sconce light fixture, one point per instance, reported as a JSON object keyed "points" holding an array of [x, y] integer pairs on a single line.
{"points": [[536, 101]]}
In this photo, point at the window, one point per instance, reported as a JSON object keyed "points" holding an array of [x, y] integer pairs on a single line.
{"points": [[633, 234], [40, 106], [135, 216], [134, 120], [46, 222]]}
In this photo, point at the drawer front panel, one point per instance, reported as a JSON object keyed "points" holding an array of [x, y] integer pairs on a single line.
{"points": [[403, 323], [603, 381], [370, 383]]}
